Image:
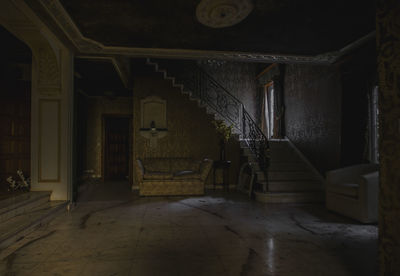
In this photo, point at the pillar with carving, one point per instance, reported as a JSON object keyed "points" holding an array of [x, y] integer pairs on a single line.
{"points": [[51, 100], [388, 46]]}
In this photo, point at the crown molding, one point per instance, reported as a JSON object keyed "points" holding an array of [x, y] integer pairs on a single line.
{"points": [[91, 47]]}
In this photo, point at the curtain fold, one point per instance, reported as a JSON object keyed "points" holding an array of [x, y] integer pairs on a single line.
{"points": [[263, 111]]}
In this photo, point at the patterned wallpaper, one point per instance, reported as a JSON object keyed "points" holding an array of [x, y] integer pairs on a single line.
{"points": [[190, 129], [312, 113], [238, 78]]}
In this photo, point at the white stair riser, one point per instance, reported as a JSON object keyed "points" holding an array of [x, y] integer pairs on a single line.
{"points": [[289, 197], [273, 175], [287, 167], [293, 186]]}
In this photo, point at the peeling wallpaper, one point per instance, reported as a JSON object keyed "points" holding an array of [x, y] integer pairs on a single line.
{"points": [[190, 129], [312, 97]]}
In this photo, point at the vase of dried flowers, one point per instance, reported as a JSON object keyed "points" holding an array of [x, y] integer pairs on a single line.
{"points": [[225, 133], [24, 184]]}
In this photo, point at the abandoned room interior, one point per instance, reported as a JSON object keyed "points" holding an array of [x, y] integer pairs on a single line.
{"points": [[200, 137]]}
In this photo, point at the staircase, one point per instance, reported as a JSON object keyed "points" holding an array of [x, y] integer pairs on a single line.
{"points": [[282, 177], [291, 179], [23, 213]]}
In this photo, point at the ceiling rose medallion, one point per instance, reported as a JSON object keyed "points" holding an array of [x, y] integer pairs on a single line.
{"points": [[223, 13]]}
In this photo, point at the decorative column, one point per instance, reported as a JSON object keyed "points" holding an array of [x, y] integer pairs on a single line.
{"points": [[52, 111], [388, 42], [52, 100]]}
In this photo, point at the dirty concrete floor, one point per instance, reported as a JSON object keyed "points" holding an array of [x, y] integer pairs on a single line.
{"points": [[217, 234]]}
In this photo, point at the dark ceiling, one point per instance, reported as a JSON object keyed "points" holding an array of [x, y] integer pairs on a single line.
{"points": [[13, 49], [274, 26], [98, 77], [14, 53]]}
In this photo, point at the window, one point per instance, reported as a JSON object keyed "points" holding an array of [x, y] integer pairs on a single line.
{"points": [[269, 110]]}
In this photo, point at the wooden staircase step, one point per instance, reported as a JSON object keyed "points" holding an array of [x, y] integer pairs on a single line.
{"points": [[291, 175], [293, 186], [287, 166]]}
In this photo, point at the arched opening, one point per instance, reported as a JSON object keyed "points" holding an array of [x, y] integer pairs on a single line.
{"points": [[15, 112]]}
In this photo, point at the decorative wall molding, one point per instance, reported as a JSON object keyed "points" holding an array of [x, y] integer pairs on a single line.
{"points": [[89, 46], [153, 119], [223, 13], [49, 141], [153, 109], [49, 81], [51, 99]]}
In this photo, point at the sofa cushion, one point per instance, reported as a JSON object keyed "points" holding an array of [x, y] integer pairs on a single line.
{"points": [[157, 176], [184, 164], [156, 165], [186, 175], [347, 189]]}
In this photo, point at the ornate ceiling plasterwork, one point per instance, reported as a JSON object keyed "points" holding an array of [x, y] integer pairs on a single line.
{"points": [[91, 47], [223, 13]]}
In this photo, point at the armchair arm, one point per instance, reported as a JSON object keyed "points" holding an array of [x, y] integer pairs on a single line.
{"points": [[205, 167], [139, 170], [369, 194], [349, 174]]}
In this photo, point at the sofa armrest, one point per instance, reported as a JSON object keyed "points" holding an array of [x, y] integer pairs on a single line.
{"points": [[349, 174], [205, 167], [139, 170]]}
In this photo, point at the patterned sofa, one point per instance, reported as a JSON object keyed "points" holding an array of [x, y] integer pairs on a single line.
{"points": [[172, 176]]}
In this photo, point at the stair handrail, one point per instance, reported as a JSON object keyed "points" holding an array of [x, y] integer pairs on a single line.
{"points": [[245, 115], [203, 75]]}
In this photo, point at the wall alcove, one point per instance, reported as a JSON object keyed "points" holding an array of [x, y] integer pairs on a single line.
{"points": [[153, 123]]}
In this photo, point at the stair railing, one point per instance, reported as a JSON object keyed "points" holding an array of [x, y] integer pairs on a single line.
{"points": [[212, 94]]}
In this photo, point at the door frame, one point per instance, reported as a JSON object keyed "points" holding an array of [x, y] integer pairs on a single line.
{"points": [[103, 142]]}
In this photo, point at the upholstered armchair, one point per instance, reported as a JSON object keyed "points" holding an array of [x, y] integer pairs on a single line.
{"points": [[353, 192]]}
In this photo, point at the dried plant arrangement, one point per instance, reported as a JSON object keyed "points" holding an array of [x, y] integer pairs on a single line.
{"points": [[24, 184]]}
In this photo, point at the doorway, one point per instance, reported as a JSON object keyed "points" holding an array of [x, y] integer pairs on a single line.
{"points": [[116, 147], [15, 111]]}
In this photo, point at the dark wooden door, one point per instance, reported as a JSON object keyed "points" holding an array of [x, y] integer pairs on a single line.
{"points": [[116, 148], [15, 133]]}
